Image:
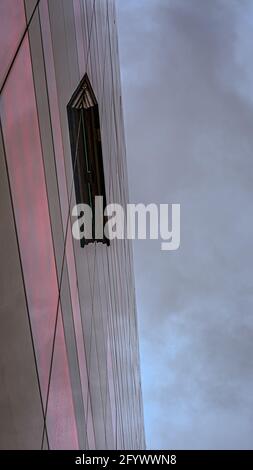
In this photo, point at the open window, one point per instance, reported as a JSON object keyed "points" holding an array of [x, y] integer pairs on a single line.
{"points": [[86, 150]]}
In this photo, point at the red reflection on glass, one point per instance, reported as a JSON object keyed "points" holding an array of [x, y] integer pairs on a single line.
{"points": [[25, 164], [13, 23]]}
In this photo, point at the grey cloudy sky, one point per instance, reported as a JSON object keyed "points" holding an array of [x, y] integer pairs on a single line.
{"points": [[187, 79]]}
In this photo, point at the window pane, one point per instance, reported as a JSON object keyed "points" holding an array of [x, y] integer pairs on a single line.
{"points": [[25, 164], [13, 25], [61, 433]]}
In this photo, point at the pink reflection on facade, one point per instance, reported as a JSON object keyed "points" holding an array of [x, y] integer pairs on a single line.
{"points": [[64, 201], [13, 23], [28, 187]]}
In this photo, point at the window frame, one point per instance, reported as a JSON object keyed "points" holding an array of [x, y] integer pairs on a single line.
{"points": [[86, 151]]}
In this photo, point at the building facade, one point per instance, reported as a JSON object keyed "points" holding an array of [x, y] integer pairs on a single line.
{"points": [[69, 359]]}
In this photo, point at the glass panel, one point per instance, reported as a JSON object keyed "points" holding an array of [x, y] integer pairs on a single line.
{"points": [[25, 165], [62, 432], [62, 183], [22, 142], [111, 387], [21, 414], [13, 25], [80, 36]]}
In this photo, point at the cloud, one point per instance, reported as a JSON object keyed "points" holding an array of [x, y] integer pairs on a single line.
{"points": [[188, 101]]}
